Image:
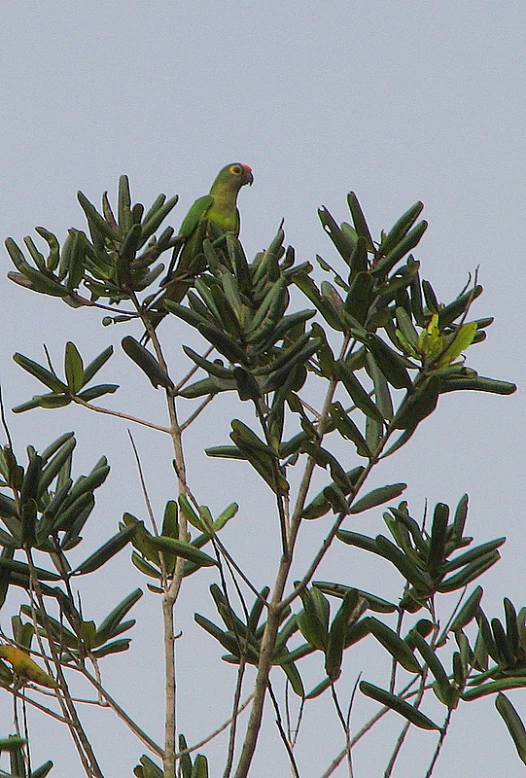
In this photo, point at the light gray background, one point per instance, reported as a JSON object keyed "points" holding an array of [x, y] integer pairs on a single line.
{"points": [[398, 101]]}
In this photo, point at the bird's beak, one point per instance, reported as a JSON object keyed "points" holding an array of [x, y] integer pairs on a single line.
{"points": [[248, 177]]}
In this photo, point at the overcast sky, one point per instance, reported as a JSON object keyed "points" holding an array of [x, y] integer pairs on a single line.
{"points": [[398, 101]]}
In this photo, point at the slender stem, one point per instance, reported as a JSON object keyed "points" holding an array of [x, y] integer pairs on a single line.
{"points": [[85, 751], [276, 605], [191, 372], [394, 664], [172, 589], [120, 415], [216, 732], [116, 708], [233, 726], [265, 661], [37, 705], [443, 733], [277, 474], [345, 727], [283, 735], [193, 416], [405, 729], [363, 731]]}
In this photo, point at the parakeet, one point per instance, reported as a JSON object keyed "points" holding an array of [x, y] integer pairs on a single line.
{"points": [[219, 207]]}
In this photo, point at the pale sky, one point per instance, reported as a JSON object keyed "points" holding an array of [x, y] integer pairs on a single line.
{"points": [[399, 101]]}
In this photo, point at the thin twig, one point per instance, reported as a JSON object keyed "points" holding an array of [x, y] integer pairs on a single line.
{"points": [[191, 372], [146, 496], [345, 727], [78, 734], [120, 415], [36, 704], [216, 732], [193, 416], [4, 421], [443, 733], [363, 731], [279, 724], [394, 663], [233, 726], [116, 708]]}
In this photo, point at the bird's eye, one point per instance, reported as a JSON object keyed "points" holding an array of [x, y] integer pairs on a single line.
{"points": [[236, 169]]}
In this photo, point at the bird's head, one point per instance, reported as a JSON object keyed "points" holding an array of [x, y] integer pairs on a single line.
{"points": [[239, 173]]}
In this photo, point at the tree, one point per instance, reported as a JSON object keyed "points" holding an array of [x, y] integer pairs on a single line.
{"points": [[333, 389]]}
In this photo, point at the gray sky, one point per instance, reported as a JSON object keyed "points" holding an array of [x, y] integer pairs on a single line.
{"points": [[398, 101]]}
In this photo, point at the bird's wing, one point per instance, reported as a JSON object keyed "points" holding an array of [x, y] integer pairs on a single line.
{"points": [[196, 212]]}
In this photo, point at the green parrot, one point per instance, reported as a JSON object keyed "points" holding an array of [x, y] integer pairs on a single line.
{"points": [[219, 207]]}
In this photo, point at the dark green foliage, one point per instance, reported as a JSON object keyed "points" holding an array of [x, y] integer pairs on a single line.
{"points": [[380, 344]]}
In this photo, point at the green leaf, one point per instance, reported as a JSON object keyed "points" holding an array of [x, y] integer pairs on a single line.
{"points": [[400, 228], [200, 768], [336, 499], [360, 223], [94, 392], [462, 340], [449, 313], [148, 768], [474, 554], [223, 343], [53, 466], [469, 573], [378, 497], [247, 385], [404, 247], [94, 218], [392, 364], [493, 687], [417, 406], [357, 393], [185, 550], [147, 362], [374, 603], [512, 627], [437, 546], [97, 364], [153, 220], [213, 368], [311, 623], [513, 723], [7, 506], [348, 429], [73, 368], [226, 639], [24, 569], [477, 383], [106, 551], [397, 704], [311, 291], [360, 297], [67, 515], [45, 376], [337, 633], [108, 627], [468, 611], [432, 661], [43, 770], [318, 689], [397, 647], [294, 678], [112, 648], [343, 242], [402, 562]]}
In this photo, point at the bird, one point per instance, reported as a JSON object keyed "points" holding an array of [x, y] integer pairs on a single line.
{"points": [[219, 206]]}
